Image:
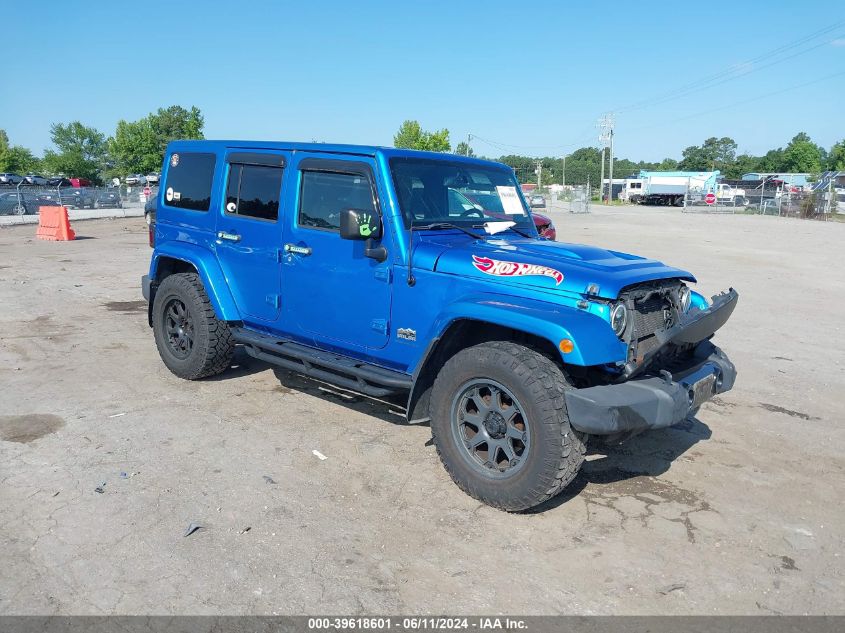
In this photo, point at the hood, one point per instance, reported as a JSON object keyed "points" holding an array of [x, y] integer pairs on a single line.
{"points": [[541, 263]]}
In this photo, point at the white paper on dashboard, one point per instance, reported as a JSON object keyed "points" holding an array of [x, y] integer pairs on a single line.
{"points": [[511, 204], [497, 227]]}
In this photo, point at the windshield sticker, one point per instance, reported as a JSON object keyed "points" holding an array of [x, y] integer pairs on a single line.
{"points": [[511, 204], [514, 269]]}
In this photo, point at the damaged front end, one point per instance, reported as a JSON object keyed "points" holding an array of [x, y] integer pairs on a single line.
{"points": [[672, 368], [660, 331]]}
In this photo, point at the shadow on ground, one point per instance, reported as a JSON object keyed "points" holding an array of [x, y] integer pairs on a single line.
{"points": [[648, 455], [388, 409]]}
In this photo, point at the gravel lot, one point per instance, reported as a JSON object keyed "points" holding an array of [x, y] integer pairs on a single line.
{"points": [[736, 512]]}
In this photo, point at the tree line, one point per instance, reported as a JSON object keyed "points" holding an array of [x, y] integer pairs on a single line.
{"points": [[82, 151], [800, 155], [138, 147]]}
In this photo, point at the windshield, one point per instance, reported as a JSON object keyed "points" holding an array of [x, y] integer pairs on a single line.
{"points": [[432, 191]]}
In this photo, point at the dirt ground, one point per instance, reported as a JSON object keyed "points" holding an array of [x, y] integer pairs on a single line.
{"points": [[738, 511]]}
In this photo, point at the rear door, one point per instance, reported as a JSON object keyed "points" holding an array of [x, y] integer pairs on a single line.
{"points": [[249, 231]]}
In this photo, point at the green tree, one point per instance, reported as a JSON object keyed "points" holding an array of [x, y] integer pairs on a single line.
{"points": [[714, 153], [176, 122], [135, 148], [412, 136], [81, 151], [138, 146], [15, 158], [772, 161], [667, 164], [802, 155], [836, 157], [744, 164], [463, 149], [18, 160]]}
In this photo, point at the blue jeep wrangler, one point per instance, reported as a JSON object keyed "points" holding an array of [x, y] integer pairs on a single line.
{"points": [[388, 271]]}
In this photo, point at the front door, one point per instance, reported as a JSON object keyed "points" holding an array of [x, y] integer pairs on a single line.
{"points": [[333, 293], [249, 232]]}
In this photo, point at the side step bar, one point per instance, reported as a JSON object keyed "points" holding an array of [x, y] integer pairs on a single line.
{"points": [[342, 371]]}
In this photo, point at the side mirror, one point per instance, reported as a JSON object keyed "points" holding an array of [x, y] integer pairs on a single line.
{"points": [[357, 224]]}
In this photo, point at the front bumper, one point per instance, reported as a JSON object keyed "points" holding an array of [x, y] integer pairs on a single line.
{"points": [[651, 402]]}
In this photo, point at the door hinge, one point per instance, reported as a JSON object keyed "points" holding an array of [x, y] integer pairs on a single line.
{"points": [[274, 300], [382, 274], [379, 325]]}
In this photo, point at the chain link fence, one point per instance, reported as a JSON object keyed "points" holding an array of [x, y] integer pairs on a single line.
{"points": [[26, 199], [576, 199], [818, 204]]}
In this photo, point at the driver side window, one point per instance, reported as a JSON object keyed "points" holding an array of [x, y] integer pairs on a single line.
{"points": [[323, 195]]}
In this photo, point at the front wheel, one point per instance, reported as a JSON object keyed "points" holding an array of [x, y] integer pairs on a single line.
{"points": [[191, 340], [499, 421], [19, 209]]}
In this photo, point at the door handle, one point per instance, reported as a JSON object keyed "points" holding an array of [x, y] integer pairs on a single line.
{"points": [[229, 237], [299, 250]]}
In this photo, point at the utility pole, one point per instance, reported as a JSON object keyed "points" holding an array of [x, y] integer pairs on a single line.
{"points": [[563, 178], [606, 138], [469, 138], [539, 174], [601, 178], [610, 176]]}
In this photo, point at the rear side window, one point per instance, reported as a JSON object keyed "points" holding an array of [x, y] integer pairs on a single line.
{"points": [[189, 179], [325, 194], [254, 191]]}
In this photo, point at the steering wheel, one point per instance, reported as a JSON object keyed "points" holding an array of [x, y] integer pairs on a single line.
{"points": [[473, 212]]}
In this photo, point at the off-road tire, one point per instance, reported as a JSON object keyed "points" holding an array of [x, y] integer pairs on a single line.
{"points": [[213, 346], [556, 451]]}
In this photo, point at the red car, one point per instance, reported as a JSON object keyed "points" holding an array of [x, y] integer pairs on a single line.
{"points": [[544, 225]]}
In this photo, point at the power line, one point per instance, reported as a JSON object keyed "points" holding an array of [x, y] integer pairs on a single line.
{"points": [[722, 77], [506, 146], [743, 102], [704, 83]]}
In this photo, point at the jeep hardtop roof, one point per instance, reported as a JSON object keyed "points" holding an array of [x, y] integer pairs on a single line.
{"points": [[330, 148]]}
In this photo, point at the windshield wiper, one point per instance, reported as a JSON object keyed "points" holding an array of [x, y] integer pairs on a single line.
{"points": [[447, 225], [510, 228]]}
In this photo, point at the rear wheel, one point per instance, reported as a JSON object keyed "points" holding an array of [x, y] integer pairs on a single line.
{"points": [[499, 421], [19, 209], [191, 340]]}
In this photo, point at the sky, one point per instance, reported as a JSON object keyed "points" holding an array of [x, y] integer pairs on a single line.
{"points": [[522, 78]]}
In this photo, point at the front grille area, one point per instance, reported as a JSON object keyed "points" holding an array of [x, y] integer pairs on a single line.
{"points": [[649, 316], [652, 310]]}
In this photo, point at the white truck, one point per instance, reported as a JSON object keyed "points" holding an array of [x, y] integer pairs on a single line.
{"points": [[671, 188]]}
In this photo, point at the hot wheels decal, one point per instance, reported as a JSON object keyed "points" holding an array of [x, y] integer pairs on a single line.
{"points": [[514, 269]]}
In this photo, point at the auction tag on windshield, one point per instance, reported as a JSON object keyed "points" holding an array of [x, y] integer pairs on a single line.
{"points": [[511, 204]]}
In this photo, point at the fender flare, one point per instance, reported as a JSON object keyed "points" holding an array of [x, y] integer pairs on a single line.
{"points": [[209, 271], [593, 339], [594, 342]]}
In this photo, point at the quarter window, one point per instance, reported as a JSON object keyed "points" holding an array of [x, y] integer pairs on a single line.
{"points": [[325, 194], [254, 191], [189, 179]]}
